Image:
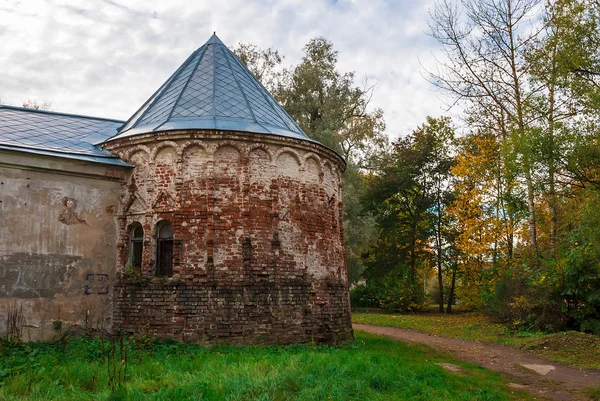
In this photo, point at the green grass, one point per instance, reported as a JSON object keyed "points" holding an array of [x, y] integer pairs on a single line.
{"points": [[593, 393], [370, 368], [572, 348]]}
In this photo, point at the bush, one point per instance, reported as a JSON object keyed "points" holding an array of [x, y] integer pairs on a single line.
{"points": [[363, 296], [581, 291], [394, 292], [579, 267], [527, 301]]}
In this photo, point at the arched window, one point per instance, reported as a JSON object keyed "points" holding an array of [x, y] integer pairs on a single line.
{"points": [[164, 249], [136, 247]]}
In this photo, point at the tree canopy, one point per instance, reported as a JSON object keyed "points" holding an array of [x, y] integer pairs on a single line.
{"points": [[500, 214]]}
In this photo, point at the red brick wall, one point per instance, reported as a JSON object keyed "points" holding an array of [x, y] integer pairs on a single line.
{"points": [[258, 236]]}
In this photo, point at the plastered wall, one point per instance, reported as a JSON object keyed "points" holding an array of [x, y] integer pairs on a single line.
{"points": [[58, 244]]}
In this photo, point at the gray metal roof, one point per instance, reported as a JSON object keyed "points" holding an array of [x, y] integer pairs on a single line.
{"points": [[213, 89], [57, 134]]}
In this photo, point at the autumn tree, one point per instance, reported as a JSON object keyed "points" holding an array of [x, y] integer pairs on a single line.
{"points": [[485, 213], [484, 42]]}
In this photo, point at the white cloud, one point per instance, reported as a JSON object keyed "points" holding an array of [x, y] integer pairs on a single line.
{"points": [[105, 58]]}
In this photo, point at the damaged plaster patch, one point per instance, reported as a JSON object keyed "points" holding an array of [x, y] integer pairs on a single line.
{"points": [[26, 275], [68, 215]]}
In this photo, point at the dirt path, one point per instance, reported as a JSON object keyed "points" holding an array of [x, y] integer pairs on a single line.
{"points": [[536, 375]]}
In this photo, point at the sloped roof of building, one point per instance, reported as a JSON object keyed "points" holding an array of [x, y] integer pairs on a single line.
{"points": [[212, 89], [57, 134]]}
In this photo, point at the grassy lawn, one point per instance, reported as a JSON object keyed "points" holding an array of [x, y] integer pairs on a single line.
{"points": [[370, 368], [573, 348]]}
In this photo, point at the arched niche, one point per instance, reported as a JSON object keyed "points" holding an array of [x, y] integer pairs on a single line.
{"points": [[259, 166], [194, 163], [288, 165], [227, 161], [312, 171]]}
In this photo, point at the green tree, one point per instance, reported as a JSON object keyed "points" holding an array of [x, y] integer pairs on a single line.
{"points": [[561, 62], [408, 198], [485, 43], [265, 64], [441, 160], [329, 107]]}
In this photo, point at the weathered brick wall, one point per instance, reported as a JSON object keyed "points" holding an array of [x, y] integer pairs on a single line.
{"points": [[259, 253]]}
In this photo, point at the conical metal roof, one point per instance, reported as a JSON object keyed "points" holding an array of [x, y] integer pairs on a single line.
{"points": [[213, 89]]}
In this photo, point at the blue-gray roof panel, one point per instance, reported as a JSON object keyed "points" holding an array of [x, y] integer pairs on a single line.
{"points": [[212, 90], [168, 98], [196, 100], [57, 133]]}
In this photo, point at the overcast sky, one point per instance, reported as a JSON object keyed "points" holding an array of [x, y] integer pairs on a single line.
{"points": [[106, 57]]}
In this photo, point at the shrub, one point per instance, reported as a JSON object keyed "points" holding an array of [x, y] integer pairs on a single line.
{"points": [[363, 296], [393, 291], [527, 301]]}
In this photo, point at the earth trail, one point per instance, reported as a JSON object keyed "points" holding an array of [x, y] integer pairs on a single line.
{"points": [[539, 376]]}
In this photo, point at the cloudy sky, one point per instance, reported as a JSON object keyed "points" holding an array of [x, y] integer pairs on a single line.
{"points": [[106, 57]]}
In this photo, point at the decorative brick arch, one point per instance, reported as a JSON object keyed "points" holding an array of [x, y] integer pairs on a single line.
{"points": [[193, 143], [236, 145], [264, 147], [137, 148], [293, 152], [312, 156], [163, 145]]}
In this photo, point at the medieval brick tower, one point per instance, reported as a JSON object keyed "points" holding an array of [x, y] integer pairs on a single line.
{"points": [[230, 224]]}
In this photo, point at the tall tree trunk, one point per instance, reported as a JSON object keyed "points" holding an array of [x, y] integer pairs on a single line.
{"points": [[441, 287], [531, 219], [452, 285], [438, 240], [413, 250], [523, 139], [551, 151]]}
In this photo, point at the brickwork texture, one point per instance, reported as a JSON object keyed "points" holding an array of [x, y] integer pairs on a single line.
{"points": [[258, 254]]}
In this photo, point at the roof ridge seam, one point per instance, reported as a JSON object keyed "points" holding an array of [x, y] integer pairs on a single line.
{"points": [[186, 85], [57, 113], [262, 90], [282, 113], [105, 154], [214, 85], [227, 52]]}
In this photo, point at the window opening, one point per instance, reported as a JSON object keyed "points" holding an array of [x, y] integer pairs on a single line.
{"points": [[136, 248], [164, 250]]}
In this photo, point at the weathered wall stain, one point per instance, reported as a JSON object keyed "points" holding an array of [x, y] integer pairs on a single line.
{"points": [[68, 215], [25, 275], [96, 284]]}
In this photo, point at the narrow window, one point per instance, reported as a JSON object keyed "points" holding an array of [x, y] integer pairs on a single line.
{"points": [[164, 249], [136, 247]]}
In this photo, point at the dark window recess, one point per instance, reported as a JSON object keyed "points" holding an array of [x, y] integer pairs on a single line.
{"points": [[164, 250], [137, 247]]}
